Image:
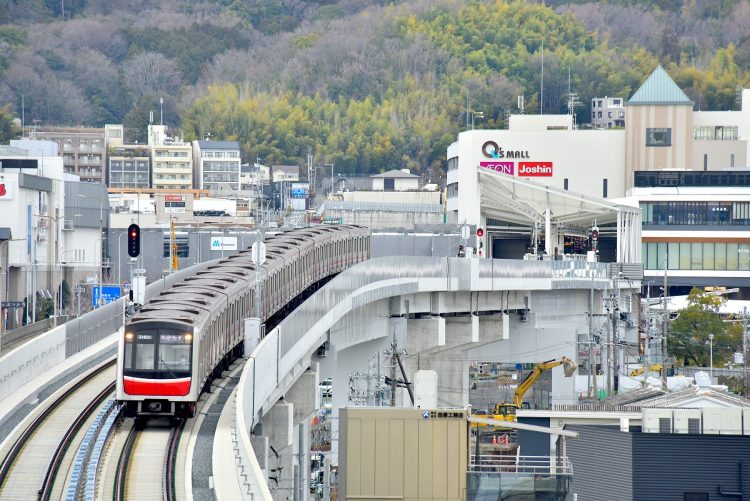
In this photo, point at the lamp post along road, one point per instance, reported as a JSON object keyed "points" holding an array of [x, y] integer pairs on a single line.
{"points": [[711, 356]]}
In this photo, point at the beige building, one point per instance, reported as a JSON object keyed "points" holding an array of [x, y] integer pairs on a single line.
{"points": [[402, 453], [659, 133], [171, 160], [82, 150]]}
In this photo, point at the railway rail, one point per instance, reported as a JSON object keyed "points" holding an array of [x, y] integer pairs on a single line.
{"points": [[136, 475], [38, 454]]}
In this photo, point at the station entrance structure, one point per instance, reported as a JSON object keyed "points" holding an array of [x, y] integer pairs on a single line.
{"points": [[517, 211]]}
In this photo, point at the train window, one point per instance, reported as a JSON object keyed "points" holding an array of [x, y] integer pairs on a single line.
{"points": [[144, 348], [174, 352]]}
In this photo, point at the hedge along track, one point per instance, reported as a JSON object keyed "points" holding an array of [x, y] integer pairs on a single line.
{"points": [[30, 468], [137, 476]]}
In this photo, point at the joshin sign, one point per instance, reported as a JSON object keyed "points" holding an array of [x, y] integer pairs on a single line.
{"points": [[534, 169]]}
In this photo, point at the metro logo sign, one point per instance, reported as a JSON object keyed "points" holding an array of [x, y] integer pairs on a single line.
{"points": [[534, 169], [502, 167]]}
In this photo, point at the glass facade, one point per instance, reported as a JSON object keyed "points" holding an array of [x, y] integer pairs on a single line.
{"points": [[719, 256], [696, 213], [656, 179], [716, 133]]}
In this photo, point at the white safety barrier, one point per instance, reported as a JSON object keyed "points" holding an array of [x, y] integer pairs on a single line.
{"points": [[31, 360]]}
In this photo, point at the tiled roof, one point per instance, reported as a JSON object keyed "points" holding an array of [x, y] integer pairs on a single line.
{"points": [[395, 173], [659, 88]]}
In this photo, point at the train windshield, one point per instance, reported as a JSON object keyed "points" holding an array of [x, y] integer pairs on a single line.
{"points": [[158, 350]]}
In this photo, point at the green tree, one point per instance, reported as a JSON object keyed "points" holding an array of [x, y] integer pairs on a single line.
{"points": [[8, 128], [688, 339]]}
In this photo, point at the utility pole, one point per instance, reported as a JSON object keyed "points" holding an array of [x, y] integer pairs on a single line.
{"points": [[664, 326], [592, 365], [744, 351]]}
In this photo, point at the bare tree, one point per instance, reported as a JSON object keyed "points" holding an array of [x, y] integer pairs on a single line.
{"points": [[151, 73]]}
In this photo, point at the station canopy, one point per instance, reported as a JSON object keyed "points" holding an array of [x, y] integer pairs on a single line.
{"points": [[525, 202]]}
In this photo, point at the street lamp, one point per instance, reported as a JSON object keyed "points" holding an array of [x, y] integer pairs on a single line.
{"points": [[711, 355]]}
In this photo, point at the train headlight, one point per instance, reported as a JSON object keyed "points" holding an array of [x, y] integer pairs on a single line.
{"points": [[128, 336], [188, 337]]}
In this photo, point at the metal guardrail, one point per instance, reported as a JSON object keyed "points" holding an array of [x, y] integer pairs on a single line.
{"points": [[549, 466]]}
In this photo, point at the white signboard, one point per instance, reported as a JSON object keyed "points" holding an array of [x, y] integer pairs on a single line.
{"points": [[7, 190], [256, 258], [223, 243]]}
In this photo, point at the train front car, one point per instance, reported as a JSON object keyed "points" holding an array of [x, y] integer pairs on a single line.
{"points": [[155, 369]]}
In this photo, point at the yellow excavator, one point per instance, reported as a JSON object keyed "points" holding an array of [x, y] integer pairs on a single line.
{"points": [[652, 368], [506, 411]]}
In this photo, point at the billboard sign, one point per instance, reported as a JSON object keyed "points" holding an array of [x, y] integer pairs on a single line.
{"points": [[534, 169], [108, 293], [7, 190], [223, 243], [502, 167], [299, 193]]}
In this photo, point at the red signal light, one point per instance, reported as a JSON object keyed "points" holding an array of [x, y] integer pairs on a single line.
{"points": [[480, 232]]}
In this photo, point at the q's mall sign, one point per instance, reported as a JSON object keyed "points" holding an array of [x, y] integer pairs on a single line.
{"points": [[499, 162]]}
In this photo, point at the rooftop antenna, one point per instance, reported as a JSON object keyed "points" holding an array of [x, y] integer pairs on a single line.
{"points": [[150, 117], [161, 111]]}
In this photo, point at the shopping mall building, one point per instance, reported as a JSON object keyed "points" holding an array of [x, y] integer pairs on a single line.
{"points": [[670, 190]]}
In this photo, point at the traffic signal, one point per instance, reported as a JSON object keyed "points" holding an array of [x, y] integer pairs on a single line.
{"points": [[480, 232], [134, 240]]}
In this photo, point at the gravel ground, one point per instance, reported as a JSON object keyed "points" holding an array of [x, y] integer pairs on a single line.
{"points": [[15, 419], [204, 444]]}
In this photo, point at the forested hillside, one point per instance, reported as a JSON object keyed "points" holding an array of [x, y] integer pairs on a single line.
{"points": [[369, 85]]}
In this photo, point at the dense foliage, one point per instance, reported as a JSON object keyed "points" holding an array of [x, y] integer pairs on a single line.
{"points": [[688, 339], [367, 84]]}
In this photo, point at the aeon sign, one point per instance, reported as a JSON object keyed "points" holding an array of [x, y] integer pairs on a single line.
{"points": [[534, 169], [501, 167]]}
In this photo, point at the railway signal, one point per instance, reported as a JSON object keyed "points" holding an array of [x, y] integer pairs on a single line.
{"points": [[134, 240]]}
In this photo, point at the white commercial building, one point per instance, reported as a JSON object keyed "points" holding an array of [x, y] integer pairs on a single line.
{"points": [[687, 169], [51, 228]]}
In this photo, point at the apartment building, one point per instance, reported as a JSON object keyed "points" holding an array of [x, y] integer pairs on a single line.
{"points": [[83, 150], [216, 166], [171, 160], [608, 112]]}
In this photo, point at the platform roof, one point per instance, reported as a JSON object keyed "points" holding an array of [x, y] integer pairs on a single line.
{"points": [[523, 201]]}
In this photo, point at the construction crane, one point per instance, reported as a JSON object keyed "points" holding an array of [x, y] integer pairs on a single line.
{"points": [[506, 411], [640, 370]]}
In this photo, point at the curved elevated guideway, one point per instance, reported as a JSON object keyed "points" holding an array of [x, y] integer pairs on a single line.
{"points": [[286, 352]]}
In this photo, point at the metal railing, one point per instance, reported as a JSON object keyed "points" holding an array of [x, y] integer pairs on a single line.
{"points": [[521, 465]]}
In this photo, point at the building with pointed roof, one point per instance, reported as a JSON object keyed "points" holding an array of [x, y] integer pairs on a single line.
{"points": [[659, 129]]}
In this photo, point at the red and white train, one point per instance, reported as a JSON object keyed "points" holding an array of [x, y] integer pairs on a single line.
{"points": [[188, 333]]}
